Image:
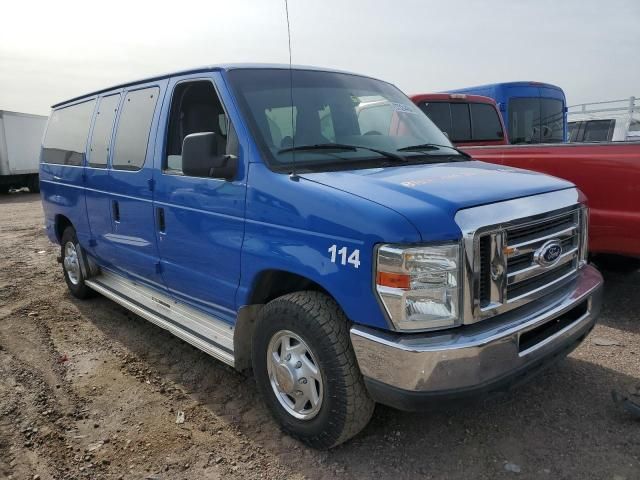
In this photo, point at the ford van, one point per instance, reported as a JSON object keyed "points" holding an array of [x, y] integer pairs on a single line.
{"points": [[347, 259]]}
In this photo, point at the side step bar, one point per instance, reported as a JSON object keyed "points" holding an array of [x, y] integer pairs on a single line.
{"points": [[205, 332]]}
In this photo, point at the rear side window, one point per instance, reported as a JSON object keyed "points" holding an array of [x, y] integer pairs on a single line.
{"points": [[485, 121], [132, 137], [66, 138], [102, 130], [598, 130]]}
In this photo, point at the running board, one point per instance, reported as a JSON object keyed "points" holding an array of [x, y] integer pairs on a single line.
{"points": [[205, 332]]}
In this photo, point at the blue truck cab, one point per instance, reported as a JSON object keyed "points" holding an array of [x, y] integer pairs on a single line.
{"points": [[533, 112], [347, 255]]}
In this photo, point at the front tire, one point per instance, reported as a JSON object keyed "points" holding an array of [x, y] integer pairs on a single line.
{"points": [[306, 370], [71, 258]]}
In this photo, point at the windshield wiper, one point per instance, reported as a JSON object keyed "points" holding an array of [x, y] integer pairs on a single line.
{"points": [[345, 147], [431, 146]]}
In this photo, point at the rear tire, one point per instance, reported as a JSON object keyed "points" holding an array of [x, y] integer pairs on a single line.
{"points": [[306, 370], [71, 265], [33, 184]]}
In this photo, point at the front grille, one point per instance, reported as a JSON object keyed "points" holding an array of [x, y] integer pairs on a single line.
{"points": [[534, 283], [512, 267]]}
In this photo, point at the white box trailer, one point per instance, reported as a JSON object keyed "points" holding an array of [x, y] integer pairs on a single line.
{"points": [[20, 140]]}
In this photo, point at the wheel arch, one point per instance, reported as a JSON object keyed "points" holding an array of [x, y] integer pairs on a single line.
{"points": [[266, 286], [61, 222]]}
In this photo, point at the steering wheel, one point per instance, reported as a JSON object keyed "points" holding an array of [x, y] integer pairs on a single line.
{"points": [[373, 132]]}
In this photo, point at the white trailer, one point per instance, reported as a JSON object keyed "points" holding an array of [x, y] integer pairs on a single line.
{"points": [[20, 141]]}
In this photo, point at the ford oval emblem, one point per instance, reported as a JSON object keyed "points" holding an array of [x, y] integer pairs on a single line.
{"points": [[549, 253]]}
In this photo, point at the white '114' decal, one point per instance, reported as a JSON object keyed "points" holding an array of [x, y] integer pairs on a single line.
{"points": [[353, 259]]}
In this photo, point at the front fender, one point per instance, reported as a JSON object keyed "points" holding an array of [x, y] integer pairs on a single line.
{"points": [[292, 225]]}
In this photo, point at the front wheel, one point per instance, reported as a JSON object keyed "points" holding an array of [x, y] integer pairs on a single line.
{"points": [[306, 370]]}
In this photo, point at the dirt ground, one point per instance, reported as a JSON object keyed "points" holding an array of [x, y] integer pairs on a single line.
{"points": [[89, 390]]}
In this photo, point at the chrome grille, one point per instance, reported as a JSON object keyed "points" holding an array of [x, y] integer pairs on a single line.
{"points": [[509, 266], [524, 274]]}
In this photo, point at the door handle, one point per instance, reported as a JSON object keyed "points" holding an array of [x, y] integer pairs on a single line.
{"points": [[115, 206], [161, 224]]}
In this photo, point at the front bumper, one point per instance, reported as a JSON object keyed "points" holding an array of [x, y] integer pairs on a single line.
{"points": [[408, 371]]}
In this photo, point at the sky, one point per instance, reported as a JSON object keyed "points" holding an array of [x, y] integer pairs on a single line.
{"points": [[52, 51]]}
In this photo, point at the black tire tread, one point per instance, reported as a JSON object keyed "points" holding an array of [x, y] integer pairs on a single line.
{"points": [[335, 326]]}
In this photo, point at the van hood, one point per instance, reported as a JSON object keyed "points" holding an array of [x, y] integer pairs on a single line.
{"points": [[430, 195]]}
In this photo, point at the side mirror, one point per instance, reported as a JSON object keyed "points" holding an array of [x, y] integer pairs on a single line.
{"points": [[201, 157]]}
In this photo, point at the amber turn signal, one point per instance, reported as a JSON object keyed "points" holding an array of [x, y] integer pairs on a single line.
{"points": [[394, 280]]}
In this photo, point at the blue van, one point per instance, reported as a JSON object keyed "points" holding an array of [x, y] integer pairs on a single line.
{"points": [[533, 112], [347, 255]]}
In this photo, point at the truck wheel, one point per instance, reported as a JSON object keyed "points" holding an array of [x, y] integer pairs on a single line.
{"points": [[34, 184], [71, 265], [306, 369]]}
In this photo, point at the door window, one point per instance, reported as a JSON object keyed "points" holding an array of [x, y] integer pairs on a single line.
{"points": [[196, 108], [102, 131], [134, 126], [66, 139]]}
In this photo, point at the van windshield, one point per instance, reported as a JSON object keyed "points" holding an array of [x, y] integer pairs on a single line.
{"points": [[327, 108], [536, 120]]}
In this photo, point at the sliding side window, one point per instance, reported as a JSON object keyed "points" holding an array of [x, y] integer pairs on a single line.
{"points": [[132, 136], [66, 139]]}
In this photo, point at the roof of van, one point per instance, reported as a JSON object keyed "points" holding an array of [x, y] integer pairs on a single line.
{"points": [[451, 97], [209, 68], [519, 83]]}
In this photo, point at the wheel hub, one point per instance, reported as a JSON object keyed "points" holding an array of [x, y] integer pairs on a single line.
{"points": [[285, 378], [71, 263], [294, 375]]}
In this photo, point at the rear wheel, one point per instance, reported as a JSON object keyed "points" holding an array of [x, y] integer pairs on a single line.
{"points": [[71, 265], [306, 370], [34, 184]]}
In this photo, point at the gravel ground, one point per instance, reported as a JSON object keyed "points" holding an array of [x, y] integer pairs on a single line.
{"points": [[89, 390]]}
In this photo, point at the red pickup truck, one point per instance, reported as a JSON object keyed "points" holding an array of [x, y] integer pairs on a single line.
{"points": [[607, 173]]}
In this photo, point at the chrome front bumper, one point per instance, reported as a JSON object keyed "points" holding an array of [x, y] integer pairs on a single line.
{"points": [[405, 370]]}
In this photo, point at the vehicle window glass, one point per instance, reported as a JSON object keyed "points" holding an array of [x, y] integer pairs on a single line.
{"points": [[597, 130], [102, 130], [634, 126], [280, 125], [330, 107], [66, 139], [196, 108], [574, 128], [440, 114], [552, 120], [486, 123], [374, 117], [536, 120], [134, 125], [326, 124], [460, 122]]}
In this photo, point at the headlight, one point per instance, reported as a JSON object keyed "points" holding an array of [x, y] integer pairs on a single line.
{"points": [[419, 286]]}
